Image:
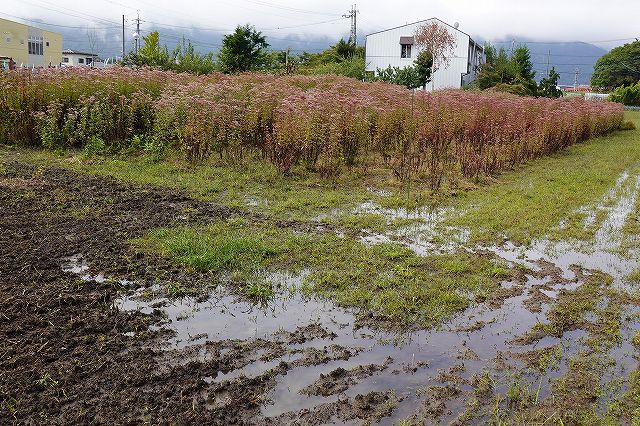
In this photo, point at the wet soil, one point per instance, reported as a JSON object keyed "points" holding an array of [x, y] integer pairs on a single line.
{"points": [[89, 334], [340, 379], [68, 356]]}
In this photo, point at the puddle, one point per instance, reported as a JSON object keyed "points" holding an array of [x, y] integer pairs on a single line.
{"points": [[414, 361], [429, 235], [77, 265], [426, 235], [255, 202], [254, 369], [474, 343], [603, 254], [470, 344]]}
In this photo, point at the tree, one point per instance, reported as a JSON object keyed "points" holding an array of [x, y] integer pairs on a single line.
{"points": [[244, 50], [548, 87], [523, 67], [522, 64], [438, 41], [504, 73], [186, 59], [183, 58], [424, 66], [150, 54], [498, 68], [339, 52], [411, 77], [92, 37], [619, 67], [345, 49]]}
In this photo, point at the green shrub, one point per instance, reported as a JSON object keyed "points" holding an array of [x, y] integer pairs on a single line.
{"points": [[627, 95], [95, 146]]}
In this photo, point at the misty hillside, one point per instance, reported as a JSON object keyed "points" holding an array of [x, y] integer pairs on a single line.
{"points": [[566, 57], [108, 43]]}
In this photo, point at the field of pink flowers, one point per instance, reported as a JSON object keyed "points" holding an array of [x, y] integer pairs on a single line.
{"points": [[325, 123]]}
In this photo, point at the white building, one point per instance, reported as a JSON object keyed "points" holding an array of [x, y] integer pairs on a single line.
{"points": [[396, 47], [71, 58]]}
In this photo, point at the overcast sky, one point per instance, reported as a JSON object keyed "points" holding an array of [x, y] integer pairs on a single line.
{"points": [[604, 23]]}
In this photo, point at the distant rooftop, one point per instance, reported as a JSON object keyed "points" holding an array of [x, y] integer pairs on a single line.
{"points": [[75, 52]]}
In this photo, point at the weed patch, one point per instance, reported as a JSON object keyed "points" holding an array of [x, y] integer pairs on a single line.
{"points": [[387, 282]]}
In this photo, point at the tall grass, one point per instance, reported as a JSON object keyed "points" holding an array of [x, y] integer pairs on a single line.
{"points": [[325, 123]]}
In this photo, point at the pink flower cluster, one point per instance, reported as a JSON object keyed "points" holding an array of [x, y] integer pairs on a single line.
{"points": [[323, 122]]}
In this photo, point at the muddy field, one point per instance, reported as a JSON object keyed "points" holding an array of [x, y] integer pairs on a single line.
{"points": [[90, 333]]}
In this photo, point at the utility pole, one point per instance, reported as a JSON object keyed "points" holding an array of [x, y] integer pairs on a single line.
{"points": [[286, 60], [123, 41], [548, 60], [353, 36], [137, 34], [575, 81]]}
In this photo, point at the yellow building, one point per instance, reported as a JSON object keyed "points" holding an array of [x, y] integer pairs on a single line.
{"points": [[29, 46]]}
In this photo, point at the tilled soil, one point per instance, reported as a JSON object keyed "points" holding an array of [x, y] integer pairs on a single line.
{"points": [[67, 356]]}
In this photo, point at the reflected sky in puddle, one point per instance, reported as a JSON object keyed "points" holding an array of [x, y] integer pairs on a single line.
{"points": [[417, 358]]}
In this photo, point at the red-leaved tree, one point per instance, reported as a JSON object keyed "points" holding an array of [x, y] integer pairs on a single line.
{"points": [[438, 41]]}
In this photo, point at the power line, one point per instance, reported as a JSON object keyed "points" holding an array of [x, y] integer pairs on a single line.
{"points": [[290, 9], [227, 30], [162, 35], [569, 64], [120, 4], [563, 42], [305, 25]]}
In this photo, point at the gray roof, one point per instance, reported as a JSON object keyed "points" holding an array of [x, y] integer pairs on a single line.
{"points": [[419, 22]]}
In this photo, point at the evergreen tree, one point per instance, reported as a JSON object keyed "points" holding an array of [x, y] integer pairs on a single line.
{"points": [[549, 85], [523, 67], [244, 50], [513, 74]]}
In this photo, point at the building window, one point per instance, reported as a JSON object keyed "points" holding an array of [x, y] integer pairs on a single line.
{"points": [[405, 51], [81, 60], [36, 46], [89, 61], [47, 44], [65, 60]]}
